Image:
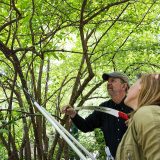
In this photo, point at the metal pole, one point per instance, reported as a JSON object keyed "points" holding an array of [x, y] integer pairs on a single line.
{"points": [[62, 131], [52, 121], [69, 135]]}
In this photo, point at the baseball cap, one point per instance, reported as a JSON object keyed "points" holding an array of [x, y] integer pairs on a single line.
{"points": [[120, 75]]}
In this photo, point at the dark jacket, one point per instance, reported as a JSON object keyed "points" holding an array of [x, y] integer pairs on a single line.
{"points": [[112, 127]]}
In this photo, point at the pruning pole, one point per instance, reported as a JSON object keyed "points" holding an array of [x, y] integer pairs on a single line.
{"points": [[63, 132]]}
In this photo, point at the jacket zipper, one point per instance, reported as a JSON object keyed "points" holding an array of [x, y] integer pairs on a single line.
{"points": [[129, 156]]}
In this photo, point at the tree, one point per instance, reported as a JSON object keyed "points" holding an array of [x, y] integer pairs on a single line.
{"points": [[58, 50]]}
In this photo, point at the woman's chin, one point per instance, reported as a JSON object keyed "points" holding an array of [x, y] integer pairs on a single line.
{"points": [[127, 102]]}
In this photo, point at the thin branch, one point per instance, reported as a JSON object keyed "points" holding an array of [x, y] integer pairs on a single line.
{"points": [[134, 28], [110, 26], [104, 9]]}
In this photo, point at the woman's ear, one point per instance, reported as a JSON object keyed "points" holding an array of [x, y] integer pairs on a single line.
{"points": [[139, 86], [156, 76]]}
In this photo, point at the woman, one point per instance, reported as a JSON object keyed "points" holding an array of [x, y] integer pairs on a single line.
{"points": [[142, 138]]}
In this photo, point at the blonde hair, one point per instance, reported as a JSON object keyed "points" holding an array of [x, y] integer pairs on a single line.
{"points": [[150, 90]]}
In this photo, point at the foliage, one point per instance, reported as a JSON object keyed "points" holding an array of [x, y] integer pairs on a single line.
{"points": [[58, 50]]}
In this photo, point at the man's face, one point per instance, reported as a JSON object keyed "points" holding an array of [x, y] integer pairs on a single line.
{"points": [[114, 86]]}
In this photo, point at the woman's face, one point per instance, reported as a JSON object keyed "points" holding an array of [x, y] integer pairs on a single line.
{"points": [[132, 95]]}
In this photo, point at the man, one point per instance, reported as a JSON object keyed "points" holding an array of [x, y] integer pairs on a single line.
{"points": [[112, 127]]}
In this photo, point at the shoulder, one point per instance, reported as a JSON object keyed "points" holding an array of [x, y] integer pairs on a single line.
{"points": [[147, 115], [107, 103], [124, 108], [147, 111]]}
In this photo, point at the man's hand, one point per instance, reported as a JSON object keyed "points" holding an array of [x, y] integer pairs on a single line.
{"points": [[69, 110]]}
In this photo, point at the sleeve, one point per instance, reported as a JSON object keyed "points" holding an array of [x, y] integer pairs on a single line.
{"points": [[147, 125], [88, 124]]}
